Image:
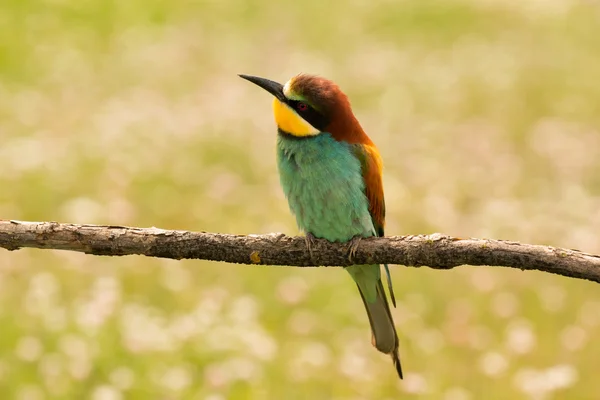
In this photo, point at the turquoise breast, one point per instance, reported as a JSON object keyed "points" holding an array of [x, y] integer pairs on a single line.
{"points": [[323, 183]]}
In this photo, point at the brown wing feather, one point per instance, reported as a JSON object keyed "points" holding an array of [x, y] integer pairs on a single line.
{"points": [[372, 174], [372, 167]]}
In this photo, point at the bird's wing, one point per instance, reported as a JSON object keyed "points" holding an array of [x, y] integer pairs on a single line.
{"points": [[372, 167]]}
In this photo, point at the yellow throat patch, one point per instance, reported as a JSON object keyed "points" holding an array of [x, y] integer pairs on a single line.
{"points": [[288, 121]]}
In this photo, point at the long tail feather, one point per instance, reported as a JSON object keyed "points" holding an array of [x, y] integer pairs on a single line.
{"points": [[384, 336], [389, 282]]}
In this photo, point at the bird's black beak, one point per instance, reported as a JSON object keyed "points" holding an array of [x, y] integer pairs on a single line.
{"points": [[276, 89]]}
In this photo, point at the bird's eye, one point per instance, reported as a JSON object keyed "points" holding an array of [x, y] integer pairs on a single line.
{"points": [[302, 106]]}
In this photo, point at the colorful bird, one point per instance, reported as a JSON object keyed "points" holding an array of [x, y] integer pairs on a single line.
{"points": [[331, 174]]}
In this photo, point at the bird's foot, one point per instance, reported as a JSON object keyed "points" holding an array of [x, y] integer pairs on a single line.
{"points": [[352, 247], [309, 239]]}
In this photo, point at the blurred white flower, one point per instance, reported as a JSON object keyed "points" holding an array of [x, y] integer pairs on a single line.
{"points": [[302, 322], [540, 383], [308, 358], [573, 337], [122, 377], [483, 280], [224, 372], [29, 348], [520, 338], [103, 298], [106, 392], [354, 365], [259, 343], [414, 383], [493, 363], [176, 378], [457, 393], [589, 313], [293, 289], [174, 277], [30, 392], [83, 210], [77, 349], [431, 341], [243, 310]]}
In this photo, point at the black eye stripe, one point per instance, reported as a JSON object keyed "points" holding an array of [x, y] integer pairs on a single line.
{"points": [[310, 115]]}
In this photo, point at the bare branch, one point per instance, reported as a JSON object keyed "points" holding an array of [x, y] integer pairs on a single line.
{"points": [[436, 251]]}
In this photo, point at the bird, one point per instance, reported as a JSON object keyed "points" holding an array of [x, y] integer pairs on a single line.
{"points": [[331, 174]]}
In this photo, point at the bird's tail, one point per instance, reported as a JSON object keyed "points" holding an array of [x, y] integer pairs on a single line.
{"points": [[384, 336]]}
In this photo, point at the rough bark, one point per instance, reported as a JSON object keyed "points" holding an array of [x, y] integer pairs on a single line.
{"points": [[435, 251]]}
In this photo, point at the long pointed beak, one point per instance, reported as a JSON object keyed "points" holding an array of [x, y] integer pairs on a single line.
{"points": [[276, 89]]}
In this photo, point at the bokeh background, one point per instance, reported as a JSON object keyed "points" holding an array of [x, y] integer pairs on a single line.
{"points": [[487, 114]]}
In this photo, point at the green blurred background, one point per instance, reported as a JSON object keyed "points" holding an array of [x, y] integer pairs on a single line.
{"points": [[487, 114]]}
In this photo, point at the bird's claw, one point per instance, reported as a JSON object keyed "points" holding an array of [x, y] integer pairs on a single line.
{"points": [[309, 239], [353, 247]]}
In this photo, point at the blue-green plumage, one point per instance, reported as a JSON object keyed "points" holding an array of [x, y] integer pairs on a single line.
{"points": [[323, 182]]}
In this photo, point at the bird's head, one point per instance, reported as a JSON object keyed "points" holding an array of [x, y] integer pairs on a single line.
{"points": [[309, 105]]}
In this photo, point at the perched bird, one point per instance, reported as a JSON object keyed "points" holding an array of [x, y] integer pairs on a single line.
{"points": [[331, 173]]}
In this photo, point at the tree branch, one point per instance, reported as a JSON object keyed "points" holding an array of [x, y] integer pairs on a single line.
{"points": [[436, 251]]}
